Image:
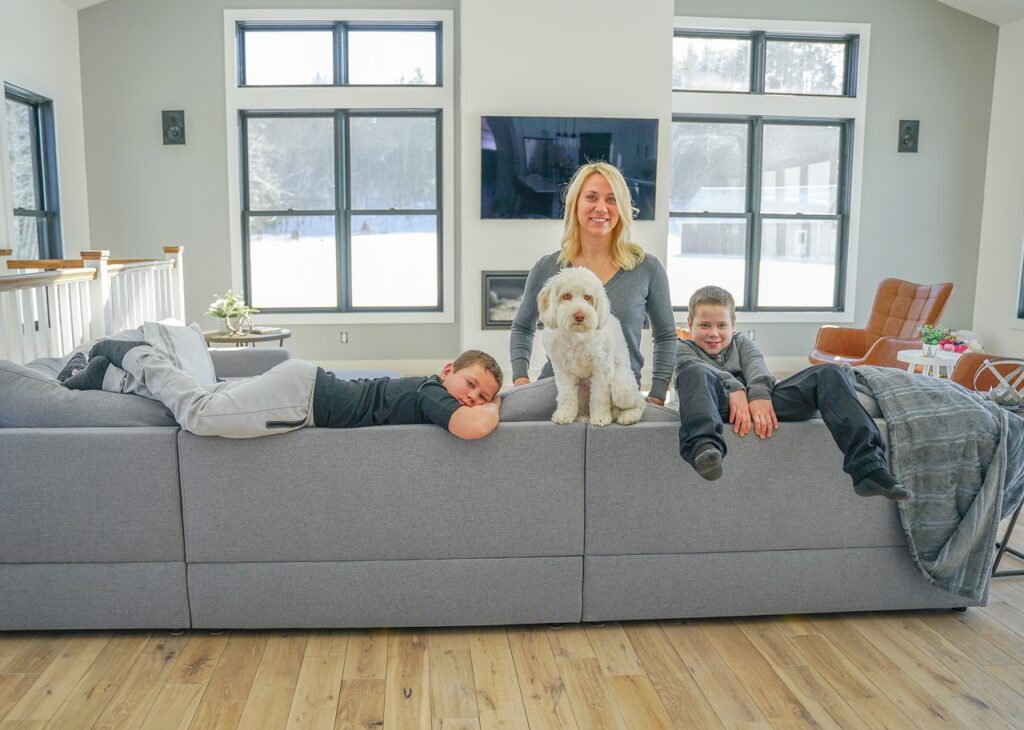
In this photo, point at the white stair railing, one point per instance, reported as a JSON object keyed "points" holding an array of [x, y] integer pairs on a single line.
{"points": [[59, 304]]}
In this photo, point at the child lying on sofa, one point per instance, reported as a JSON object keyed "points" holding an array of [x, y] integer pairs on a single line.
{"points": [[721, 374], [463, 399]]}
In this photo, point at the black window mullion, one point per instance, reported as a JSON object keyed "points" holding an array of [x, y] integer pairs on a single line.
{"points": [[51, 199], [343, 218], [851, 66], [240, 46], [341, 54], [754, 212], [758, 53], [843, 210]]}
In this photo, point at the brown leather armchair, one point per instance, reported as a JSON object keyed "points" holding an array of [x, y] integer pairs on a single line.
{"points": [[900, 308]]}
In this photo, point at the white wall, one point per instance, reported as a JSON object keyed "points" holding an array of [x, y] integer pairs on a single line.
{"points": [[543, 58], [1002, 227], [39, 52]]}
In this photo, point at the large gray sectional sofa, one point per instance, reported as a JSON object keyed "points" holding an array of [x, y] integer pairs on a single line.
{"points": [[143, 525]]}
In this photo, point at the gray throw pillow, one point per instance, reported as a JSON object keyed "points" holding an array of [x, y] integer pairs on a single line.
{"points": [[29, 399]]}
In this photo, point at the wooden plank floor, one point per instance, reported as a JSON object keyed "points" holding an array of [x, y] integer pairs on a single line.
{"points": [[924, 669]]}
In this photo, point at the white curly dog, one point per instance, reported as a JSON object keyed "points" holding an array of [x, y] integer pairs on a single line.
{"points": [[588, 352]]}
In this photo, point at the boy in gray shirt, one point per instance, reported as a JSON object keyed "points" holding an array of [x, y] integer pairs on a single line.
{"points": [[721, 374]]}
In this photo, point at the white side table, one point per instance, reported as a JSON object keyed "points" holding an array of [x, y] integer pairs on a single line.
{"points": [[930, 364]]}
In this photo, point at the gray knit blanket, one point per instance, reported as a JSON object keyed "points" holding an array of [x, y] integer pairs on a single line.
{"points": [[963, 456]]}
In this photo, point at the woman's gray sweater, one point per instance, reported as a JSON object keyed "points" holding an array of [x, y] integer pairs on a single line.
{"points": [[632, 294]]}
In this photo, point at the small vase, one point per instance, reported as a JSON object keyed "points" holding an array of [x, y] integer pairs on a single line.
{"points": [[930, 350], [222, 325]]}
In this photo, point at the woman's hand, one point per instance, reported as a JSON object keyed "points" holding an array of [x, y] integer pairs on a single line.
{"points": [[655, 401], [521, 381]]}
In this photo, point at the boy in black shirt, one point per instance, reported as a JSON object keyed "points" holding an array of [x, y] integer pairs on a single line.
{"points": [[463, 399], [722, 375]]}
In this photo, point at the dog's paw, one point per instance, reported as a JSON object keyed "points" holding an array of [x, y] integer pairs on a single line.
{"points": [[600, 419], [629, 416], [564, 416]]}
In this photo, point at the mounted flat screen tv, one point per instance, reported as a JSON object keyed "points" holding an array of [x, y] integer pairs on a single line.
{"points": [[526, 162]]}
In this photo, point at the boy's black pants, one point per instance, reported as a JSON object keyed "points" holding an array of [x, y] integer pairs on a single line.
{"points": [[704, 408]]}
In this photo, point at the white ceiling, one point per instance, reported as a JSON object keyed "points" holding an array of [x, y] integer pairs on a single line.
{"points": [[998, 12]]}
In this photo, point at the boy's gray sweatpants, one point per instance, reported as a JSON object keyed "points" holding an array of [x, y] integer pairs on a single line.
{"points": [[277, 401]]}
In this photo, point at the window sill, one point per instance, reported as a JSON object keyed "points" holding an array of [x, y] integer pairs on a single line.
{"points": [[784, 317], [300, 318]]}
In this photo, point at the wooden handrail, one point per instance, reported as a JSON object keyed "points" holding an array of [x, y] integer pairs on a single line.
{"points": [[6, 251], [27, 281], [115, 268], [45, 264]]}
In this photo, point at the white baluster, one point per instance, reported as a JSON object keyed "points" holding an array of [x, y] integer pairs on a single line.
{"points": [[99, 293], [177, 254]]}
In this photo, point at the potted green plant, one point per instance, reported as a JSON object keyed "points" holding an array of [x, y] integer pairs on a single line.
{"points": [[228, 307], [931, 336]]}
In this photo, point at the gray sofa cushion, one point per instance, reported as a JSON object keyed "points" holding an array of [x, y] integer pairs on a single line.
{"points": [[784, 493], [110, 496], [385, 493], [29, 399], [536, 402]]}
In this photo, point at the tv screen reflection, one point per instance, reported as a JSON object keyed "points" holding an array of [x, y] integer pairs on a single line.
{"points": [[526, 162]]}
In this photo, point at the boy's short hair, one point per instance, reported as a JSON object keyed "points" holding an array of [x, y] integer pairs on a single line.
{"points": [[715, 296], [479, 357]]}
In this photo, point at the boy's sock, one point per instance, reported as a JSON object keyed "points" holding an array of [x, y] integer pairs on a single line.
{"points": [[880, 483], [91, 377], [113, 350], [708, 461]]}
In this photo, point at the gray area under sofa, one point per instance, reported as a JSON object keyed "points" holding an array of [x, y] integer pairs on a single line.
{"points": [[152, 527]]}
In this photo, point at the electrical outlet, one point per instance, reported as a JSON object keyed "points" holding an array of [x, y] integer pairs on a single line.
{"points": [[751, 335], [344, 338]]}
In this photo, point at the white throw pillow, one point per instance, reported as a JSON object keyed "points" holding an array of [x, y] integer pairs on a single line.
{"points": [[184, 346]]}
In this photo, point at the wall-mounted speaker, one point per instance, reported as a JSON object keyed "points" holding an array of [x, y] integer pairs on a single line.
{"points": [[174, 127], [909, 132]]}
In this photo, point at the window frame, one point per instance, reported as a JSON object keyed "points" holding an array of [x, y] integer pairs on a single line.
{"points": [[340, 46], [1020, 296], [354, 99], [754, 217], [724, 105], [759, 40], [44, 172], [343, 210]]}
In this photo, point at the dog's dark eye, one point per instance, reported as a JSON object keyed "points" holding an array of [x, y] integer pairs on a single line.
{"points": [[567, 295], [588, 297]]}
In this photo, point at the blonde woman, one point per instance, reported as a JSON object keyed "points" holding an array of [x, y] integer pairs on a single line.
{"points": [[598, 217]]}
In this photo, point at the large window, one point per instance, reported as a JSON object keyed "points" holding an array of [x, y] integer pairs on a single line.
{"points": [[31, 151], [341, 210], [343, 150], [339, 54], [758, 206], [761, 177]]}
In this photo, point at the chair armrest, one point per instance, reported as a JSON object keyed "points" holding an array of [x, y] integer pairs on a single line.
{"points": [[245, 362], [846, 341], [883, 351]]}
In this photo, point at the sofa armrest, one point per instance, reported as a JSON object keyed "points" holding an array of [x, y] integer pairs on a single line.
{"points": [[846, 341], [245, 362], [883, 351]]}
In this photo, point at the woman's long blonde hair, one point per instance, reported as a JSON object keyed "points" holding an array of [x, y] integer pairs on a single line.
{"points": [[625, 253]]}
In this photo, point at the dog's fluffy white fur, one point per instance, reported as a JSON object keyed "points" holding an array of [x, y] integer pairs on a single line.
{"points": [[588, 352]]}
